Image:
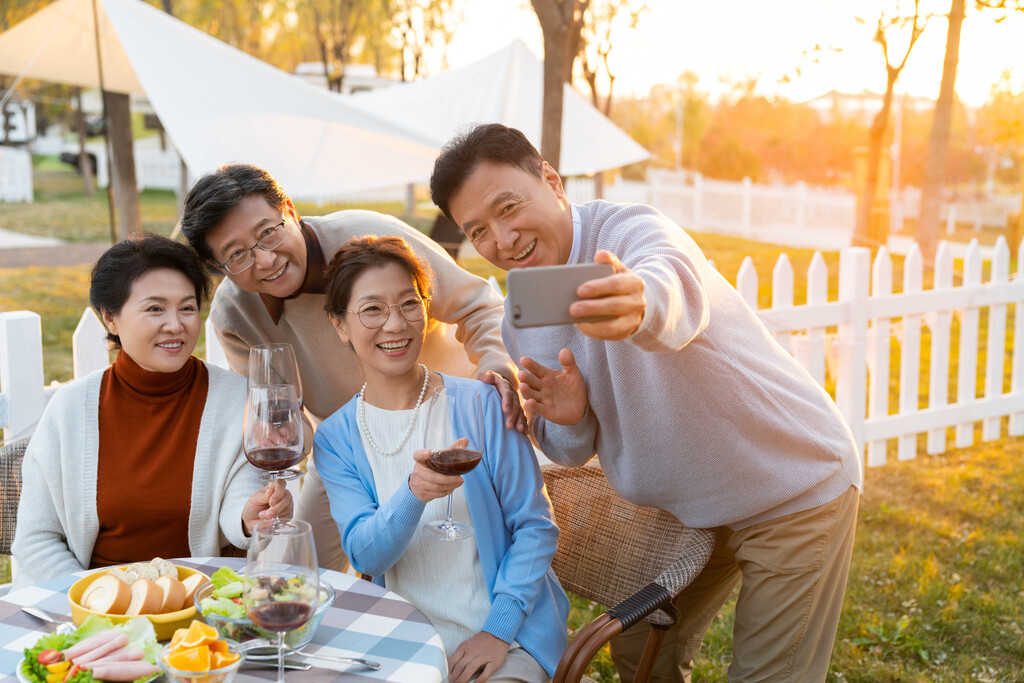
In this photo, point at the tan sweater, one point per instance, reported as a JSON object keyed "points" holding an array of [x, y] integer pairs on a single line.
{"points": [[328, 368]]}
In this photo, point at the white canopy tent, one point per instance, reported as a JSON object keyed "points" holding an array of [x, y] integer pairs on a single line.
{"points": [[506, 87], [217, 103]]}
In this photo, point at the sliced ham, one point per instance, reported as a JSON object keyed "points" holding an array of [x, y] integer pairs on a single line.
{"points": [[118, 641], [123, 671], [91, 643], [125, 654]]}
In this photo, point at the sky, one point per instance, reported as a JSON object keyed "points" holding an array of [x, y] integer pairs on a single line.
{"points": [[733, 40]]}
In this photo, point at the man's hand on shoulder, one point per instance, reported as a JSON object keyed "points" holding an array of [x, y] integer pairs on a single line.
{"points": [[620, 295]]}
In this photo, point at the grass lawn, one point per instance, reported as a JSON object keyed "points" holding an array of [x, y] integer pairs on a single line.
{"points": [[937, 583]]}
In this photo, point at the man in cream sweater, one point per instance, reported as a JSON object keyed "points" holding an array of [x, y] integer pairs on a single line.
{"points": [[687, 400], [239, 220]]}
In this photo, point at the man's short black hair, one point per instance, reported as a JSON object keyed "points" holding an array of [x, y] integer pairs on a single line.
{"points": [[486, 142], [217, 193]]}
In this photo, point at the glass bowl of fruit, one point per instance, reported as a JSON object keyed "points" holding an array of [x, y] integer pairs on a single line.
{"points": [[198, 655], [219, 601]]}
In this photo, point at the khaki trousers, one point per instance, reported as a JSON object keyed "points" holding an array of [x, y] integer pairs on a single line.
{"points": [[313, 506], [793, 576]]}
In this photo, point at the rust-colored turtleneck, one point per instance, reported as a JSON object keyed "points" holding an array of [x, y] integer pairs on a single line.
{"points": [[149, 426]]}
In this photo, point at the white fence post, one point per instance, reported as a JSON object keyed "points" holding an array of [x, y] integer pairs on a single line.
{"points": [[938, 377], [996, 346], [851, 370], [746, 282], [910, 352], [21, 372], [817, 294], [967, 361], [214, 351], [782, 296], [1016, 426], [878, 359], [698, 199], [89, 345]]}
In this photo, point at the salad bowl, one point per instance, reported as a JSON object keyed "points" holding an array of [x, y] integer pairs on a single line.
{"points": [[228, 616]]}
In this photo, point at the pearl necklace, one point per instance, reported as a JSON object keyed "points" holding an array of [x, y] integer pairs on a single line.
{"points": [[408, 432]]}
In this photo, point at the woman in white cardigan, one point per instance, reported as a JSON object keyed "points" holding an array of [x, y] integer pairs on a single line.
{"points": [[143, 458]]}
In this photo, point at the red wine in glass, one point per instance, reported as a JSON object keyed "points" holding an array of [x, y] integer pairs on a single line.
{"points": [[273, 458], [454, 461], [281, 616]]}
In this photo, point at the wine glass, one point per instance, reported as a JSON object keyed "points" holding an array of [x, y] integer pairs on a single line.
{"points": [[272, 430], [455, 438], [274, 364], [281, 588]]}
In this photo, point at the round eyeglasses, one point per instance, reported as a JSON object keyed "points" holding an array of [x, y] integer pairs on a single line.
{"points": [[241, 260], [375, 314]]}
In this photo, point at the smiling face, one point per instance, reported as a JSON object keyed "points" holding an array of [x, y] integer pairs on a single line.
{"points": [[513, 218], [391, 351], [159, 323], [279, 272]]}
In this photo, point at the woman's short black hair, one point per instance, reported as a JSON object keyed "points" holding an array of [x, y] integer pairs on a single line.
{"points": [[119, 267], [486, 142], [215, 194], [362, 253]]}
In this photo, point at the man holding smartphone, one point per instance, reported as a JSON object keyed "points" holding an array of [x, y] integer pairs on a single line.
{"points": [[240, 221], [686, 398]]}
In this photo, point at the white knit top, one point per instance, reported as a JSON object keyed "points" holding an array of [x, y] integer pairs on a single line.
{"points": [[443, 579]]}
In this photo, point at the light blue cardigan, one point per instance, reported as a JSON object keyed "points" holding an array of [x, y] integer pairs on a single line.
{"points": [[515, 531]]}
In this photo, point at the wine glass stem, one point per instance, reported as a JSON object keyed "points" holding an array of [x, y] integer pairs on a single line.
{"points": [[449, 523], [280, 657], [277, 520]]}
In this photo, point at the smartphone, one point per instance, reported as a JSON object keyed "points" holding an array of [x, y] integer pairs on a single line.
{"points": [[542, 295]]}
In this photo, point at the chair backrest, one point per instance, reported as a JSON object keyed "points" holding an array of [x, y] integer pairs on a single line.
{"points": [[11, 455], [609, 548]]}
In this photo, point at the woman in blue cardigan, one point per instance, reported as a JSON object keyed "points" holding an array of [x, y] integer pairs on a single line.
{"points": [[493, 597]]}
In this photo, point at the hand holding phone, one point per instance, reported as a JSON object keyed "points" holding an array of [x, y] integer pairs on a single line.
{"points": [[542, 295]]}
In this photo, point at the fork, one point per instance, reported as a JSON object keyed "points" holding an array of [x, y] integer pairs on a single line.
{"points": [[263, 642]]}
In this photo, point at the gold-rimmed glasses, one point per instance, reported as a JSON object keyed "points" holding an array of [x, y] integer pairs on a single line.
{"points": [[375, 314], [242, 259]]}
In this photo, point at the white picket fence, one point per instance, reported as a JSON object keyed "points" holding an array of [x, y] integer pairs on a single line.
{"points": [[15, 175], [849, 339]]}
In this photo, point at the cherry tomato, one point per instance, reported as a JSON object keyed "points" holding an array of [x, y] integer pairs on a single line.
{"points": [[49, 657], [71, 672]]}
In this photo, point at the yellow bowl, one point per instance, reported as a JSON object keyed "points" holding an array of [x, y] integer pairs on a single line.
{"points": [[164, 624]]}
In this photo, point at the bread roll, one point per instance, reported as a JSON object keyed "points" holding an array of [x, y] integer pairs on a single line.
{"points": [[146, 598], [107, 595], [191, 583], [165, 567], [122, 575], [145, 570], [173, 594]]}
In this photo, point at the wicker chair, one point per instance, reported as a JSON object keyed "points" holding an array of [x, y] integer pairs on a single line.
{"points": [[11, 455], [616, 553]]}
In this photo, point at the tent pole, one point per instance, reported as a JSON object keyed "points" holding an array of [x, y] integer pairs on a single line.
{"points": [[106, 133]]}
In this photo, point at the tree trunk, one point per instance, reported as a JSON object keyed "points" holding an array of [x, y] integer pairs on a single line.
{"points": [[555, 58], [868, 232], [84, 162], [122, 166], [938, 140]]}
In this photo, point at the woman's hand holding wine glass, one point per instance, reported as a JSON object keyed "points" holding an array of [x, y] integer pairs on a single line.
{"points": [[455, 439], [282, 586]]}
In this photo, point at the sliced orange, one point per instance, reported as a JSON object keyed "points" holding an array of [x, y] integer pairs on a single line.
{"points": [[199, 633], [220, 646], [190, 658], [179, 635], [221, 659]]}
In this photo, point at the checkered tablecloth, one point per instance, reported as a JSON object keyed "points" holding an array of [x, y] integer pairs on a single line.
{"points": [[364, 621]]}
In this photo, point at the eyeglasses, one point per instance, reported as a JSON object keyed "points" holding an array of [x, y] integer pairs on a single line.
{"points": [[375, 314], [241, 260]]}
